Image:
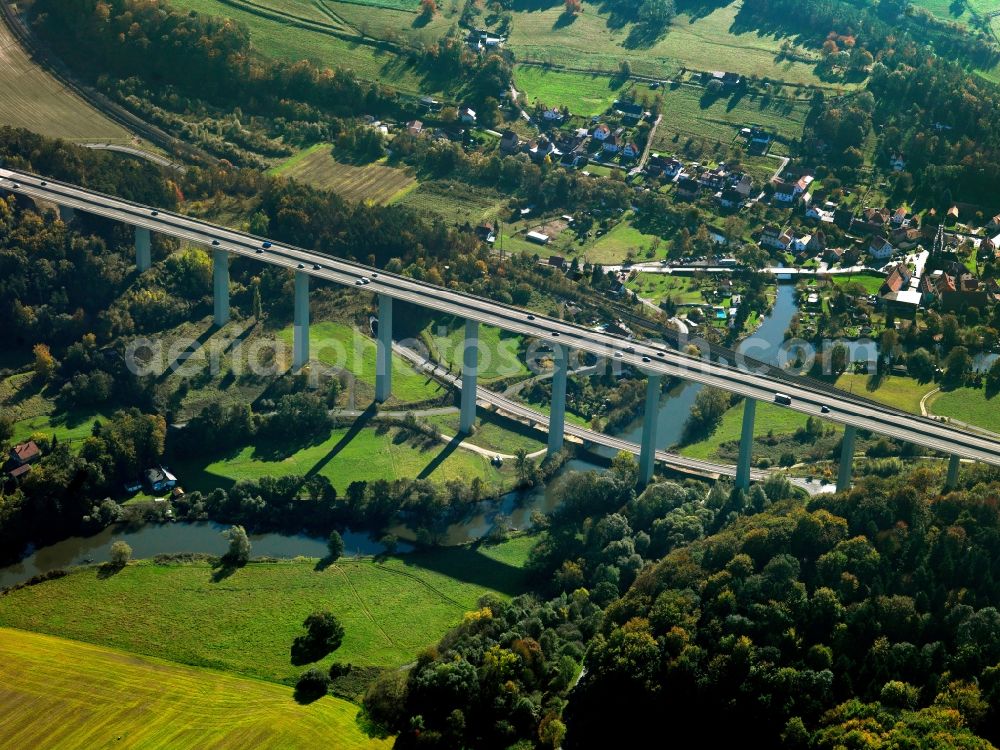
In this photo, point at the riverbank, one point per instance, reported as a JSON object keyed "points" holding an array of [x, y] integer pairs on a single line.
{"points": [[244, 621]]}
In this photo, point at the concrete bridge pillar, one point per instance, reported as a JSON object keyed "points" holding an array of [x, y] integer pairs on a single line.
{"points": [[383, 356], [470, 372], [67, 214], [746, 444], [143, 255], [300, 342], [220, 284], [647, 453], [845, 471], [953, 464], [557, 417]]}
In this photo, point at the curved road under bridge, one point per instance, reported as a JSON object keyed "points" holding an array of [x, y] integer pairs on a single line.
{"points": [[655, 360]]}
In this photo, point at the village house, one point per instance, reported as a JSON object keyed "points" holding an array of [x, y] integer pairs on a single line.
{"points": [[553, 116], [613, 143], [688, 188], [730, 198], [21, 457], [898, 280], [726, 78], [897, 163], [936, 284], [482, 40], [741, 182], [467, 115], [772, 236], [786, 191], [801, 244], [993, 243], [905, 238], [876, 217], [542, 148], [601, 133], [631, 151], [630, 111], [758, 140], [819, 214], [414, 127], [833, 255], [969, 292], [486, 233], [509, 142], [714, 179], [158, 479], [880, 248]]}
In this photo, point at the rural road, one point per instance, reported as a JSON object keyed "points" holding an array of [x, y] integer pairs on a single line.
{"points": [[540, 421], [139, 153]]}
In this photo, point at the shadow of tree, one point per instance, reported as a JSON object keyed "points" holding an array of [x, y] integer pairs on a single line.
{"points": [[735, 99], [108, 570], [644, 35], [564, 20], [323, 563], [470, 565], [222, 569], [305, 651], [698, 9], [305, 696], [875, 381]]}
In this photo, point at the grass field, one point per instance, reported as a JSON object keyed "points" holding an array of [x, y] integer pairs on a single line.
{"points": [[391, 19], [246, 622], [614, 246], [949, 10], [872, 282], [347, 455], [30, 98], [67, 427], [339, 345], [317, 43], [499, 352], [62, 695], [659, 286], [584, 94], [688, 113], [967, 405], [456, 202], [712, 42], [493, 435], [374, 183], [901, 392], [768, 417], [34, 410]]}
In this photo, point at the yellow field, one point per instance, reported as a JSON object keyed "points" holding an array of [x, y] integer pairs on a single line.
{"points": [[30, 98], [56, 693], [375, 183]]}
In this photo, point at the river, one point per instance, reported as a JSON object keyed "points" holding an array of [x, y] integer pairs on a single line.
{"points": [[154, 539], [763, 345], [167, 538]]}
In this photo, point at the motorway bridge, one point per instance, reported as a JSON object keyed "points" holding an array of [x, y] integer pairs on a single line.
{"points": [[801, 394]]}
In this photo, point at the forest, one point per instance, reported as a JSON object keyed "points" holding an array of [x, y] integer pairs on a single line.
{"points": [[863, 619]]}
